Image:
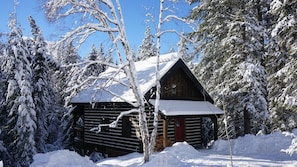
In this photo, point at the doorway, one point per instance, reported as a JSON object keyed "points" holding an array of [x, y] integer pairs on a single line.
{"points": [[180, 129]]}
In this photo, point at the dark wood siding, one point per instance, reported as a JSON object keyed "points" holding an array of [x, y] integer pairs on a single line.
{"points": [[180, 86], [194, 131], [112, 137], [171, 130]]}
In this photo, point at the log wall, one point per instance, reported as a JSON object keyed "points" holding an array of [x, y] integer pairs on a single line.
{"points": [[109, 137], [193, 131]]}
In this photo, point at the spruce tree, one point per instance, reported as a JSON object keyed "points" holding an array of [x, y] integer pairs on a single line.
{"points": [[183, 50], [43, 93], [72, 69], [68, 73], [21, 114], [282, 65], [3, 88], [66, 79], [93, 65], [232, 68], [147, 48]]}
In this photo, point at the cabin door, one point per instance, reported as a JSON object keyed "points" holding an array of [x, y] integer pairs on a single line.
{"points": [[180, 129]]}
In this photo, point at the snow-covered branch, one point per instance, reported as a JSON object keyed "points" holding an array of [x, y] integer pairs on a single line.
{"points": [[114, 124], [293, 147], [182, 35], [169, 18], [88, 62]]}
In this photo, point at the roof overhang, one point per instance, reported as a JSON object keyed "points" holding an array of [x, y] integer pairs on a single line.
{"points": [[186, 108]]}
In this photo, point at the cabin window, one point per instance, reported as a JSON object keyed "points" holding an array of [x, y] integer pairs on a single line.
{"points": [[177, 123], [80, 122], [78, 129], [126, 127], [104, 121]]}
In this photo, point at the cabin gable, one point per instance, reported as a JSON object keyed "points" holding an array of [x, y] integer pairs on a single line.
{"points": [[179, 83], [180, 86]]}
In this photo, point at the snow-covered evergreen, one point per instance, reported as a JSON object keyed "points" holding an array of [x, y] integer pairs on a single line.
{"points": [[147, 48], [43, 93], [20, 108], [231, 68], [93, 67], [3, 114], [29, 101], [183, 50], [66, 54], [282, 65]]}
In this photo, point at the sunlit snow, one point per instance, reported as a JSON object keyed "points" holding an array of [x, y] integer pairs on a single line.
{"points": [[182, 107], [262, 150], [117, 88]]}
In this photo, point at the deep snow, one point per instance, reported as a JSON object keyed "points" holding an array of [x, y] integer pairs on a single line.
{"points": [[261, 150]]}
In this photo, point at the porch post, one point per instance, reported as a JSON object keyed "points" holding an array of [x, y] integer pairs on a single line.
{"points": [[165, 132]]}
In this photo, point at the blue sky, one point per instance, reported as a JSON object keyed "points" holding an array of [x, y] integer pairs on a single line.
{"points": [[134, 12]]}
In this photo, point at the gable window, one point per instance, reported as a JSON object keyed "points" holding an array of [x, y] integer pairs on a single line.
{"points": [[173, 89]]}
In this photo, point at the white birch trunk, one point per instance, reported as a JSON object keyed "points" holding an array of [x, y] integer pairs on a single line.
{"points": [[135, 87], [158, 85]]}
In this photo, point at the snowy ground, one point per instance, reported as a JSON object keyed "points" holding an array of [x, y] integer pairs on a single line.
{"points": [[250, 150]]}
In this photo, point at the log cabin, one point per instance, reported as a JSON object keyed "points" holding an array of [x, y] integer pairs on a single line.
{"points": [[182, 105]]}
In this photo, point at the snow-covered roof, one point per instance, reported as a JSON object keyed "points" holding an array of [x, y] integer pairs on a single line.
{"points": [[186, 108], [145, 72]]}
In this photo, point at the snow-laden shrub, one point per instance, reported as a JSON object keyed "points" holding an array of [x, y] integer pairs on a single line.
{"points": [[293, 147]]}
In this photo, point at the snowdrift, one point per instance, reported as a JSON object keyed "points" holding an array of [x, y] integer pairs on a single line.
{"points": [[61, 158], [265, 146], [250, 150]]}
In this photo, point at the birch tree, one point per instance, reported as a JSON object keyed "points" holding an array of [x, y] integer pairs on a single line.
{"points": [[106, 16], [112, 23]]}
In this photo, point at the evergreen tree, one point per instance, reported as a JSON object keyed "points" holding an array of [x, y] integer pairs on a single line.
{"points": [[232, 46], [147, 48], [65, 79], [68, 73], [282, 58], [183, 50], [72, 69], [93, 66], [43, 93], [3, 88], [107, 58], [21, 115]]}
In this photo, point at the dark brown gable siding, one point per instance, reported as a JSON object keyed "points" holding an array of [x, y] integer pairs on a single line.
{"points": [[180, 86]]}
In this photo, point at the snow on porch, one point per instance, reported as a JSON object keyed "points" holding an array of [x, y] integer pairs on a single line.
{"points": [[183, 108]]}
